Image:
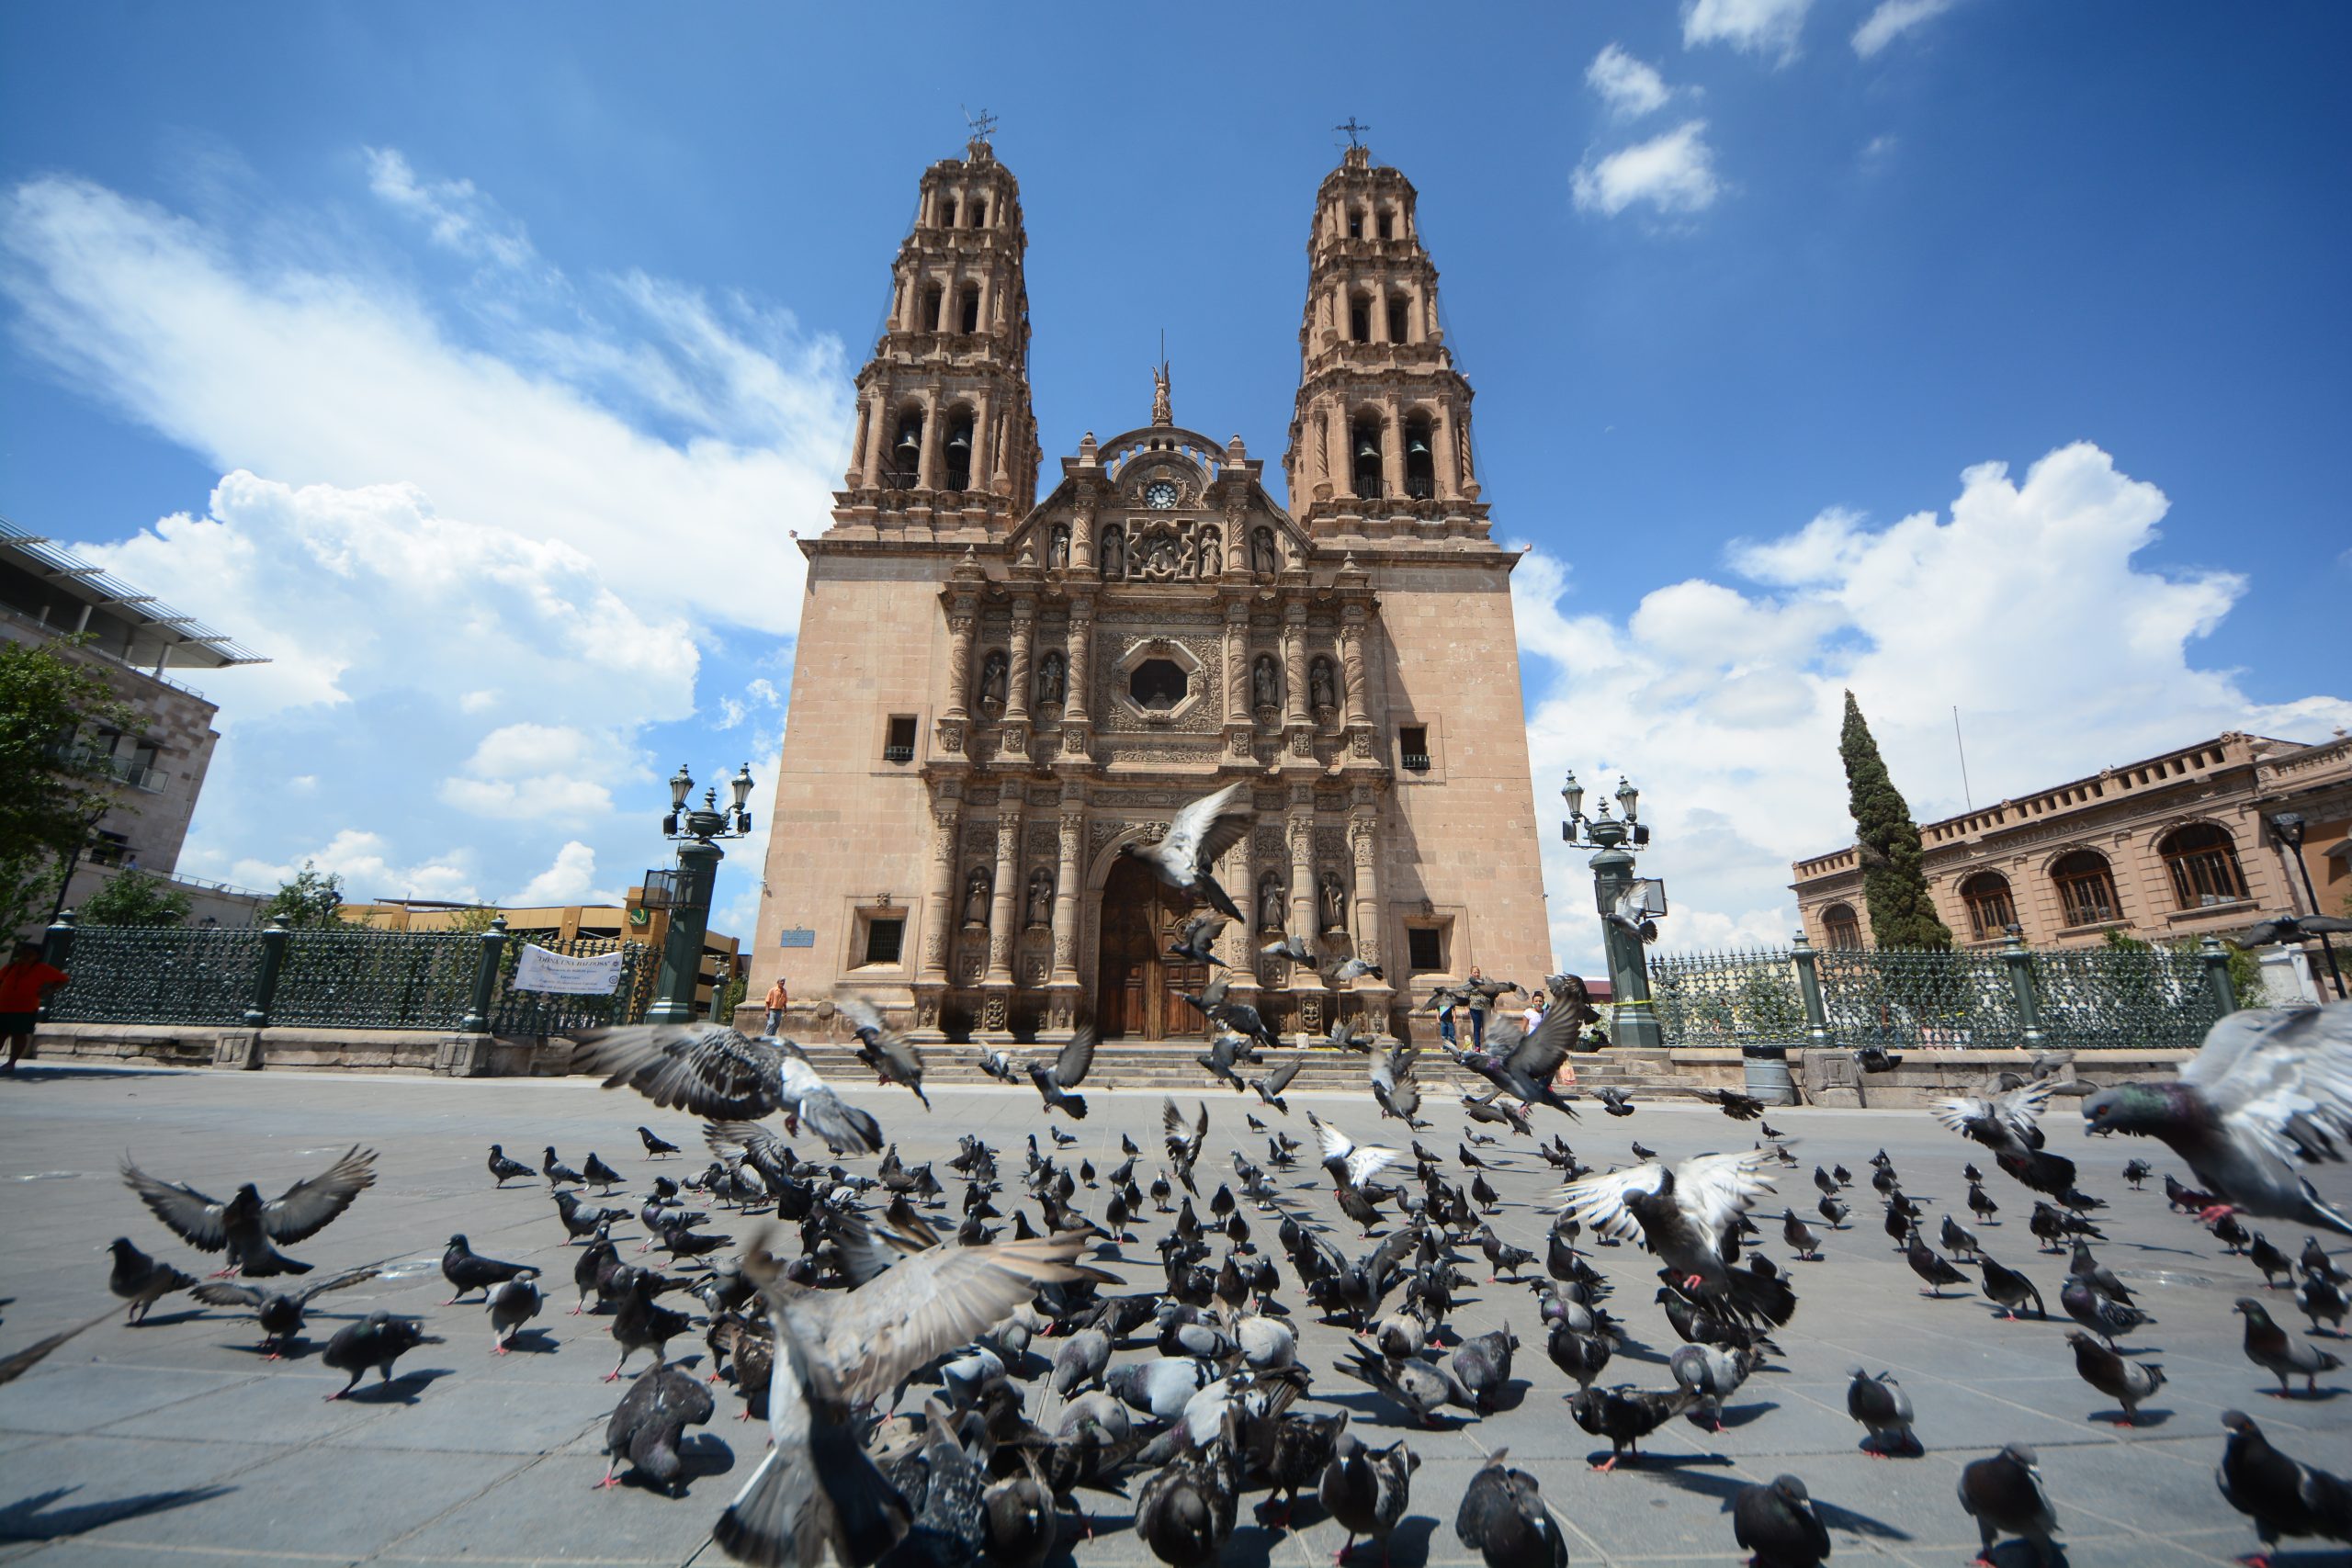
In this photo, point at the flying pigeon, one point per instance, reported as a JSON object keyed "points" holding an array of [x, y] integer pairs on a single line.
{"points": [[1684, 1214], [711, 1070], [1191, 943], [279, 1312], [245, 1225], [1057, 1078], [1196, 841], [880, 1048]]}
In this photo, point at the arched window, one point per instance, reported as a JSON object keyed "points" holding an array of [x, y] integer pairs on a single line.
{"points": [[2086, 887], [1364, 445], [1839, 926], [958, 450], [947, 212], [1399, 318], [933, 306], [1360, 319], [979, 212], [905, 462], [1387, 226], [2203, 861], [968, 307], [1421, 462], [1991, 911], [1355, 225]]}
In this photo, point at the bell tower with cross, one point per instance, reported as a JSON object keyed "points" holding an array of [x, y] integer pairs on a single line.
{"points": [[1380, 434], [946, 436]]}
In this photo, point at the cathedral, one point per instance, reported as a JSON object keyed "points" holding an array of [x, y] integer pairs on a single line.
{"points": [[993, 693]]}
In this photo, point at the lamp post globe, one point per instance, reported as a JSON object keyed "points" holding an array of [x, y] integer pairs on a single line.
{"points": [[1613, 840], [691, 884]]}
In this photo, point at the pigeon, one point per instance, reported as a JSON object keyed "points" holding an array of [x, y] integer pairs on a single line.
{"points": [[1526, 1071], [506, 1170], [1161, 1387], [1482, 1365], [2280, 1352], [1834, 1212], [646, 1425], [2089, 1268], [711, 1070], [1269, 1087], [1615, 1101], [1416, 1386], [1930, 1265], [1185, 1510], [2270, 1260], [1057, 1078], [1393, 1087], [1196, 839], [2007, 1289], [1958, 1237], [2322, 1297], [512, 1305], [817, 1490], [880, 1048], [1503, 1519], [1355, 968], [2136, 1171], [1884, 1411], [558, 1173], [2290, 929], [2282, 1497], [642, 1322], [2004, 1496], [1022, 1528], [1775, 1522], [1193, 943], [1368, 1490], [245, 1225], [1290, 948], [375, 1341], [2127, 1383], [2105, 1318], [280, 1313], [602, 1177], [2006, 1125], [466, 1270], [1713, 1374], [1583, 1355], [1348, 1163], [141, 1280], [1684, 1214], [2270, 1088], [1738, 1106], [1080, 1361], [1625, 1415], [1223, 1052], [655, 1148]]}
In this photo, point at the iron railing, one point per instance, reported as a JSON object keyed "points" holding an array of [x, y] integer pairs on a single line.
{"points": [[366, 979], [158, 974], [1876, 997], [2096, 998], [514, 1012], [1727, 998]]}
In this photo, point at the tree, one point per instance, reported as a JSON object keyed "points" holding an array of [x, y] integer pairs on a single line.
{"points": [[51, 791], [473, 921], [134, 898], [308, 899], [1894, 885]]}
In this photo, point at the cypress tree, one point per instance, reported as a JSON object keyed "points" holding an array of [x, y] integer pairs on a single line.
{"points": [[1894, 886]]}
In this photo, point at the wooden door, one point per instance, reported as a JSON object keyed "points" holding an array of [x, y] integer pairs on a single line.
{"points": [[1136, 984]]}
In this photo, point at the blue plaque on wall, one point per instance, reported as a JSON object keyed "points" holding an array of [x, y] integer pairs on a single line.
{"points": [[799, 938]]}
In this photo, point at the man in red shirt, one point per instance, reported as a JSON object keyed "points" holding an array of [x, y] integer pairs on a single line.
{"points": [[25, 984]]}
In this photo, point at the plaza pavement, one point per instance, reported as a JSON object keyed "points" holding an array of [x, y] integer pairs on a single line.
{"points": [[173, 1443]]}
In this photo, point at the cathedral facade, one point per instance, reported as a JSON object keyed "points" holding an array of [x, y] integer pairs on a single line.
{"points": [[993, 693]]}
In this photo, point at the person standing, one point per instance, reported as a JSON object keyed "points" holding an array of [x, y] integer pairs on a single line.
{"points": [[25, 984], [1445, 1018], [778, 999], [1476, 986]]}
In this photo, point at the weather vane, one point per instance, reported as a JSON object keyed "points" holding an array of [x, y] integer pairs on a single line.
{"points": [[1355, 131]]}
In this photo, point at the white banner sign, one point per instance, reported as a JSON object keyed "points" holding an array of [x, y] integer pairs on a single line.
{"points": [[539, 970]]}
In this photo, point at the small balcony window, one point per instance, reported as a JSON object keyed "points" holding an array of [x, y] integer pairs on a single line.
{"points": [[900, 747], [1424, 949], [885, 937], [1413, 748]]}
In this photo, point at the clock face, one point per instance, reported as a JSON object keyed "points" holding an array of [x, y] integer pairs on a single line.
{"points": [[1161, 495]]}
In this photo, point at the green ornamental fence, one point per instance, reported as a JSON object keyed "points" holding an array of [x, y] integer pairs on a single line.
{"points": [[2078, 999], [339, 977]]}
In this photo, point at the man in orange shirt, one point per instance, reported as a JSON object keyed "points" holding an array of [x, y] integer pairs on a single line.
{"points": [[25, 984], [778, 999]]}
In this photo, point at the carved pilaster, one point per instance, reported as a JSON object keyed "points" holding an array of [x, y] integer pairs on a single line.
{"points": [[1237, 661], [1080, 706], [1298, 829], [946, 823], [1364, 841], [1294, 661], [1081, 539], [1351, 664], [1073, 841], [1025, 640], [963, 627], [1004, 909]]}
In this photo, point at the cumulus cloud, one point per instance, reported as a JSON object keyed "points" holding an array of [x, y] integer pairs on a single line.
{"points": [[1752, 27], [369, 871], [1722, 694], [569, 880], [1629, 87], [1672, 174], [1892, 19]]}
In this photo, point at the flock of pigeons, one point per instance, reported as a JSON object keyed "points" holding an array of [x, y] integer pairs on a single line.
{"points": [[943, 1378]]}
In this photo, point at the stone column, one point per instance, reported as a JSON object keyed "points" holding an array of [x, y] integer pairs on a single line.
{"points": [[877, 444], [1017, 692], [1294, 661], [1066, 875], [1305, 983], [927, 472], [1363, 840], [946, 828], [1447, 463], [963, 626], [979, 468], [1353, 667], [1077, 707], [1391, 452], [1004, 909], [1236, 657], [1081, 539], [1380, 313]]}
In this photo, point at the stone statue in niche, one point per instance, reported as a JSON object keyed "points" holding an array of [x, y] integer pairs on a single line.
{"points": [[1334, 901], [1265, 682], [1270, 902], [992, 677], [1114, 553], [1319, 685], [1212, 563], [1157, 555], [1041, 897], [1051, 679], [976, 896], [1262, 553], [1057, 551]]}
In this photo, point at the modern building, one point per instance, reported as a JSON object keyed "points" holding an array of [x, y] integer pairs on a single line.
{"points": [[994, 694], [138, 643], [2179, 845]]}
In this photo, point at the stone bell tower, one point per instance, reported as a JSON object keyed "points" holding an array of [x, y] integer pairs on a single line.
{"points": [[946, 437], [1380, 438]]}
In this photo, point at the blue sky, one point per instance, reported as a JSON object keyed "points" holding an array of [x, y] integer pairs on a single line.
{"points": [[480, 357]]}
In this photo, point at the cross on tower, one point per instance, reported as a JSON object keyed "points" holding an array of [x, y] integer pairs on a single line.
{"points": [[981, 124], [1355, 132]]}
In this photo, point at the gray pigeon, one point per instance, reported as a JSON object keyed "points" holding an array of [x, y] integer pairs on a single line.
{"points": [[279, 1312], [1368, 1490], [1503, 1519], [1196, 839], [2127, 1383], [1884, 1411], [141, 1280], [377, 1340], [2004, 1496], [1161, 1387], [646, 1425], [512, 1305], [1193, 943], [245, 1225], [711, 1070], [1776, 1523], [2280, 1353], [1080, 1361]]}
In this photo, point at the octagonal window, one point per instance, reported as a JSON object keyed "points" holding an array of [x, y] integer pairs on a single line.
{"points": [[1157, 684]]}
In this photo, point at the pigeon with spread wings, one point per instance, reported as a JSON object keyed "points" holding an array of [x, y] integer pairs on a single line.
{"points": [[2007, 1123], [1195, 841], [2270, 1090], [1184, 1140], [1350, 1163], [836, 1350], [1393, 1085], [245, 1225], [881, 1047], [1055, 1079], [1525, 1070], [1687, 1214], [711, 1070]]}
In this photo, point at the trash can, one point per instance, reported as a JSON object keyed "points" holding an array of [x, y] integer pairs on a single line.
{"points": [[1768, 1074]]}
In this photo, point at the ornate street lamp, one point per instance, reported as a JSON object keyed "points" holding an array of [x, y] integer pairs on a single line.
{"points": [[2288, 828], [1614, 841], [685, 892]]}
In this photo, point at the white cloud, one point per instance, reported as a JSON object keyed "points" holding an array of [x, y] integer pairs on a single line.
{"points": [[569, 880], [1630, 87], [363, 860], [1752, 27], [1672, 174], [1892, 19], [2023, 606], [457, 215]]}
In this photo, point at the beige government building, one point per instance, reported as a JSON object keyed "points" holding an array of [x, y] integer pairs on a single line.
{"points": [[993, 693]]}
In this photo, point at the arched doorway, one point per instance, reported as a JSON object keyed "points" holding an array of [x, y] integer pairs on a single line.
{"points": [[1137, 987]]}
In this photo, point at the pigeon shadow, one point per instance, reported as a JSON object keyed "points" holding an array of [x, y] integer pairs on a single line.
{"points": [[2023, 1554], [1511, 1396], [402, 1390], [532, 1342], [702, 1456], [2146, 1417], [2306, 1396], [1740, 1415], [169, 1318], [1658, 1463], [31, 1518], [1408, 1547]]}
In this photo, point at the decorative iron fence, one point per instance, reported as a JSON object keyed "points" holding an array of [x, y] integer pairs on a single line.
{"points": [[2082, 998], [334, 978]]}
